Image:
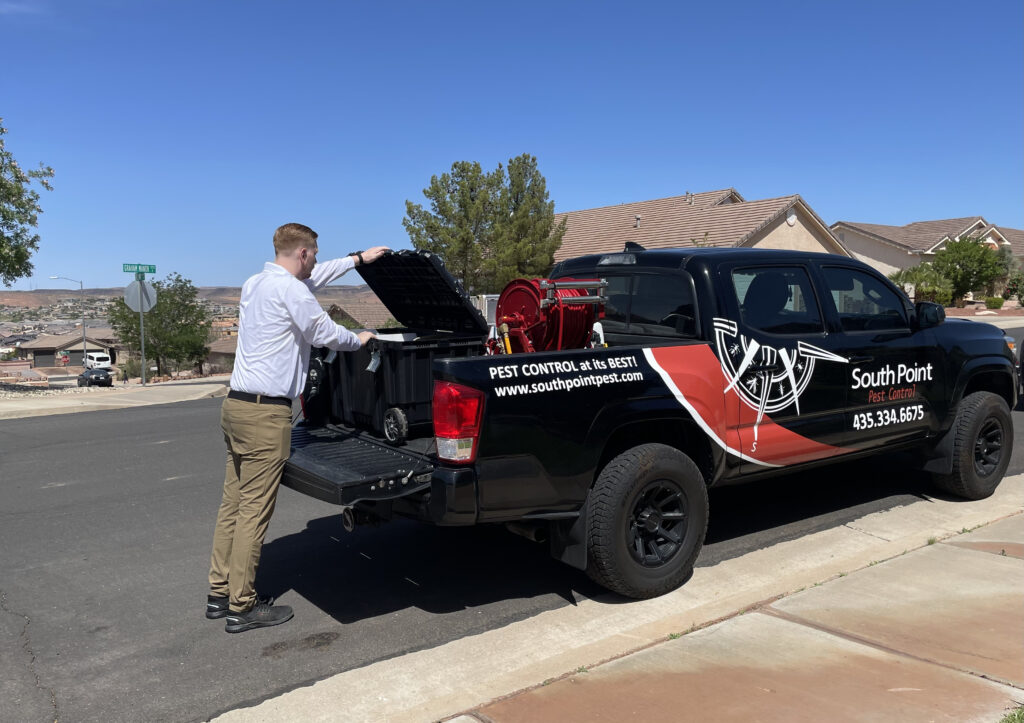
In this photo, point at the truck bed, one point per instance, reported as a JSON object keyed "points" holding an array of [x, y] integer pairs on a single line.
{"points": [[344, 466]]}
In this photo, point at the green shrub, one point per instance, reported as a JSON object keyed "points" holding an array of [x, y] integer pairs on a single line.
{"points": [[934, 295], [994, 302], [929, 285], [1014, 285], [134, 367]]}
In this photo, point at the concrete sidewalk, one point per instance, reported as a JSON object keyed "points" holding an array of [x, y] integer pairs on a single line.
{"points": [[91, 399], [912, 614], [936, 634]]}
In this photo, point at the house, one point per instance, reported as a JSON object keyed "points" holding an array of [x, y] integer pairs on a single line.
{"points": [[224, 327], [221, 354], [367, 311], [890, 248], [47, 350], [10, 343], [710, 218]]}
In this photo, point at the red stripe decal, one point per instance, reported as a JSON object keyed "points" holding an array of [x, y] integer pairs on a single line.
{"points": [[723, 414]]}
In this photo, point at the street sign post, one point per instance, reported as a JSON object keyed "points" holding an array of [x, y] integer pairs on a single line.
{"points": [[140, 296], [139, 268]]}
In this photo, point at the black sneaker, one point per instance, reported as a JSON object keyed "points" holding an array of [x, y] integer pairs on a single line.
{"points": [[217, 606], [260, 615]]}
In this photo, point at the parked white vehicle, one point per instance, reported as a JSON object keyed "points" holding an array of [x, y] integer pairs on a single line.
{"points": [[97, 360]]}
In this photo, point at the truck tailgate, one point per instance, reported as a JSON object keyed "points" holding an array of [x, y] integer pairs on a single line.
{"points": [[344, 467]]}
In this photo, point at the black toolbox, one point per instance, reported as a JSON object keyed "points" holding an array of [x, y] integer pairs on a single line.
{"points": [[387, 386]]}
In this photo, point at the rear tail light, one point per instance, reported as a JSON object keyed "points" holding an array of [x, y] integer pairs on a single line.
{"points": [[457, 413]]}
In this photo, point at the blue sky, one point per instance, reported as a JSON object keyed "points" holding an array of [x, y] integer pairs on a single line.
{"points": [[182, 133]]}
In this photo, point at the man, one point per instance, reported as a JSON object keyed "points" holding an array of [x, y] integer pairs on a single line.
{"points": [[278, 320]]}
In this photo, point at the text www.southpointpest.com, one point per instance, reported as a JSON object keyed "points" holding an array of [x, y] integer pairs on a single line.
{"points": [[572, 375]]}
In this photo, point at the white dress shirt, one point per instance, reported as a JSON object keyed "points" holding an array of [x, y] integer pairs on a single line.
{"points": [[278, 320]]}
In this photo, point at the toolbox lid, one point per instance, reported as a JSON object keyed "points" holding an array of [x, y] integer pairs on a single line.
{"points": [[419, 292]]}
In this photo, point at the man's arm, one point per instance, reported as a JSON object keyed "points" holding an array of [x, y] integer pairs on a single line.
{"points": [[327, 271], [316, 325]]}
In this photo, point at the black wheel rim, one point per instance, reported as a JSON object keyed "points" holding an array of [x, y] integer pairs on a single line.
{"points": [[391, 427], [657, 524], [988, 447]]}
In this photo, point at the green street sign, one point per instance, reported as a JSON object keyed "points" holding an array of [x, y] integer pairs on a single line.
{"points": [[139, 268]]}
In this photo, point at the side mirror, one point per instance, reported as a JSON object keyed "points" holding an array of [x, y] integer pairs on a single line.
{"points": [[929, 314]]}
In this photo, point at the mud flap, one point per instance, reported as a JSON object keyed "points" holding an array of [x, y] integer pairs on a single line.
{"points": [[569, 539], [939, 459]]}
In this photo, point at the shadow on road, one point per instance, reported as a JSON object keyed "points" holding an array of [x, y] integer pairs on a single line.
{"points": [[375, 571], [814, 500]]}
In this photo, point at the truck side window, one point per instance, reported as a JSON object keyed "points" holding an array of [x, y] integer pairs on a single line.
{"points": [[863, 302], [777, 300], [662, 306], [650, 304], [616, 309]]}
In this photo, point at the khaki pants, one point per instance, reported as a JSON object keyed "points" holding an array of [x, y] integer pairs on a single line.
{"points": [[258, 438]]}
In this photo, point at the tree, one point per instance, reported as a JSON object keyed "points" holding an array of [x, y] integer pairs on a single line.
{"points": [[969, 265], [929, 284], [525, 234], [459, 224], [1008, 265], [19, 213], [177, 327], [488, 227]]}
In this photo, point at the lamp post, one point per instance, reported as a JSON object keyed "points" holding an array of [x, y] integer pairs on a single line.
{"points": [[81, 288]]}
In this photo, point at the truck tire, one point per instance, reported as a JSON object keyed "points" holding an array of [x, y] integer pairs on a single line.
{"points": [[648, 514], [981, 447]]}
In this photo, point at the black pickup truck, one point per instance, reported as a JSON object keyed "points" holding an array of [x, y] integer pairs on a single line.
{"points": [[717, 366]]}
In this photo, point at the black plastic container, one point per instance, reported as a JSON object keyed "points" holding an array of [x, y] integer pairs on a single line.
{"points": [[387, 386]]}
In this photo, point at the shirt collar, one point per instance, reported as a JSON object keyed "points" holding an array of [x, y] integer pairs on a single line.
{"points": [[273, 268]]}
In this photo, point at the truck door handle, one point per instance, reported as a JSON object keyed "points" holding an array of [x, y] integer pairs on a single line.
{"points": [[761, 369], [861, 359]]}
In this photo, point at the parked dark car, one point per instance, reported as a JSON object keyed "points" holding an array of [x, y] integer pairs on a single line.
{"points": [[95, 378]]}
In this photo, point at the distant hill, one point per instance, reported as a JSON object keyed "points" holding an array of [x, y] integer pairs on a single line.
{"points": [[216, 294]]}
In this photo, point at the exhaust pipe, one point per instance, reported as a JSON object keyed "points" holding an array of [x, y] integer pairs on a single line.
{"points": [[352, 518], [348, 520]]}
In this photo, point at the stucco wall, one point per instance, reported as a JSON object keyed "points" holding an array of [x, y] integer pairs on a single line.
{"points": [[881, 256], [801, 236]]}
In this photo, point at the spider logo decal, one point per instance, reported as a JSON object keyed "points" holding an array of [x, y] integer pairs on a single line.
{"points": [[766, 378]]}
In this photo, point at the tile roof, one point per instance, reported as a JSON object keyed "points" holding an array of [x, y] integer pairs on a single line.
{"points": [[368, 311], [224, 345], [712, 218], [59, 341], [1016, 238], [917, 236]]}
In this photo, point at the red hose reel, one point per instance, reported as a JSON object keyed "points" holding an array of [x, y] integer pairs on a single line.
{"points": [[545, 315]]}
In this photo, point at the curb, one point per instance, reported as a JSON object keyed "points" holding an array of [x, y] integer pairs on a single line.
{"points": [[101, 401]]}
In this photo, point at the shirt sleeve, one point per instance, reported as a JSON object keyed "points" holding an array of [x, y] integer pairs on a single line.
{"points": [[314, 323], [327, 271]]}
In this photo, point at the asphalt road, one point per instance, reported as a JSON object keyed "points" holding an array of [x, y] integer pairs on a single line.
{"points": [[105, 524]]}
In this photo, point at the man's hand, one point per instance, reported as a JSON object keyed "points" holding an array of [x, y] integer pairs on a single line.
{"points": [[371, 255], [365, 336]]}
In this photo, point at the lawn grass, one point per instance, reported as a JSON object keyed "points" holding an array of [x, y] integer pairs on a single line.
{"points": [[1014, 716]]}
